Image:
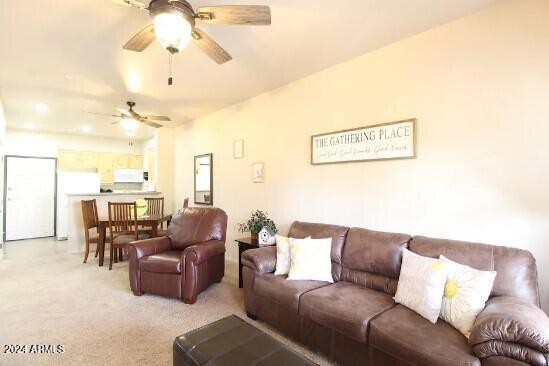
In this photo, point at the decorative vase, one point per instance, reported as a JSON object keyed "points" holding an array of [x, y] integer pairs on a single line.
{"points": [[254, 237]]}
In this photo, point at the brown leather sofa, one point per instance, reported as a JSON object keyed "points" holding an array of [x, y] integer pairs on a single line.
{"points": [[356, 322], [184, 263]]}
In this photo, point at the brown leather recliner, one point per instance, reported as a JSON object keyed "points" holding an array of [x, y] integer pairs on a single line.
{"points": [[184, 263]]}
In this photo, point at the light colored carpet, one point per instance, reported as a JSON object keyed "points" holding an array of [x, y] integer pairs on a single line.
{"points": [[55, 299]]}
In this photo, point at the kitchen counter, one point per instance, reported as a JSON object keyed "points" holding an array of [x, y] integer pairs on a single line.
{"points": [[120, 193], [75, 232]]}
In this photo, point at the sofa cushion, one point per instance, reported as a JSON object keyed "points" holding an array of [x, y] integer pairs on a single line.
{"points": [[374, 251], [344, 307], [165, 262], [516, 268], [284, 292], [407, 336], [302, 230], [372, 258]]}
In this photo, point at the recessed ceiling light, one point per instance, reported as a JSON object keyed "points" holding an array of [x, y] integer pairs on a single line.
{"points": [[86, 129], [30, 126], [42, 108]]}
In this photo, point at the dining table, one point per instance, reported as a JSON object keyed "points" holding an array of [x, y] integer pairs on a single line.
{"points": [[148, 221]]}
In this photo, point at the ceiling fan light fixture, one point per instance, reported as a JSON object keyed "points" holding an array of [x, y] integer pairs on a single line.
{"points": [[173, 31], [129, 124]]}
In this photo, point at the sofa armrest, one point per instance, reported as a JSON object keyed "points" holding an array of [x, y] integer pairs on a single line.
{"points": [[199, 253], [512, 327], [144, 248], [260, 260]]}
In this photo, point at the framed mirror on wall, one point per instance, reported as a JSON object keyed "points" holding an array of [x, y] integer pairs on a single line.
{"points": [[203, 179]]}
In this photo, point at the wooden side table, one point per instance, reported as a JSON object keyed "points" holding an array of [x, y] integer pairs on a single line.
{"points": [[243, 245]]}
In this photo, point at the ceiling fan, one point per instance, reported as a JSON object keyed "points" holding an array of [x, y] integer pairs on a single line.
{"points": [[174, 25], [130, 117]]}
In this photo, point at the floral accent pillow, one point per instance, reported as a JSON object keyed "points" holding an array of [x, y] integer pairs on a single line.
{"points": [[283, 255], [310, 259], [465, 294]]}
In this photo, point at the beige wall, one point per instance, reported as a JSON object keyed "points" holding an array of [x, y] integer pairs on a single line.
{"points": [[479, 89], [165, 139], [2, 137], [36, 143]]}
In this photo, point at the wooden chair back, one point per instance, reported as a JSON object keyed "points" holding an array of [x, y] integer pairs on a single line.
{"points": [[186, 203], [155, 206], [89, 214], [123, 219]]}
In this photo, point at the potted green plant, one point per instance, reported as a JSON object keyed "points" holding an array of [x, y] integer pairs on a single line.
{"points": [[258, 221]]}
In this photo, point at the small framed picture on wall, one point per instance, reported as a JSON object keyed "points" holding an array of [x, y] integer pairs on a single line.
{"points": [[258, 170], [238, 149]]}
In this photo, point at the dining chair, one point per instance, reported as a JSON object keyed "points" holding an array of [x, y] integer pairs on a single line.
{"points": [[155, 207], [186, 203], [91, 221], [123, 228]]}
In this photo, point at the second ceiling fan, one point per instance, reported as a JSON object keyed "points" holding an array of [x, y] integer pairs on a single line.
{"points": [[174, 25]]}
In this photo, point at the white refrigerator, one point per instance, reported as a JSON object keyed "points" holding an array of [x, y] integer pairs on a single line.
{"points": [[72, 183]]}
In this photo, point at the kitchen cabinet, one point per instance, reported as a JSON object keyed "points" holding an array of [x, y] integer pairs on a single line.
{"points": [[120, 161], [104, 162], [68, 159], [135, 162], [86, 160], [105, 168]]}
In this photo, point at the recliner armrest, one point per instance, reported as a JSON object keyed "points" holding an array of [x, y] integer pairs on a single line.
{"points": [[260, 260], [201, 252], [144, 248], [512, 327]]}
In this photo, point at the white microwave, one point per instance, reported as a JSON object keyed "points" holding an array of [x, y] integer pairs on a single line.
{"points": [[128, 176]]}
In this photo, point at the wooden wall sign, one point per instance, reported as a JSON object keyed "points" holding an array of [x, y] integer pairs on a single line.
{"points": [[393, 140]]}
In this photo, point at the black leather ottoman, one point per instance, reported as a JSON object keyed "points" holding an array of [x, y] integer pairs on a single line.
{"points": [[232, 342]]}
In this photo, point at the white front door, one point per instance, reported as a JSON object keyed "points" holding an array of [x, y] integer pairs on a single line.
{"points": [[30, 197]]}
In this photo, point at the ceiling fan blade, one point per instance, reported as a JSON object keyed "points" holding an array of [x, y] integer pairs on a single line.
{"points": [[157, 118], [102, 114], [132, 3], [123, 112], [210, 47], [149, 123], [141, 40], [236, 14]]}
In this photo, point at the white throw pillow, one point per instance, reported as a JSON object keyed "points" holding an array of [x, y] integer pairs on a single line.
{"points": [[310, 260], [421, 284], [465, 295]]}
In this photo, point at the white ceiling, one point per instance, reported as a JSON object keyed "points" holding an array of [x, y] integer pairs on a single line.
{"points": [[68, 54]]}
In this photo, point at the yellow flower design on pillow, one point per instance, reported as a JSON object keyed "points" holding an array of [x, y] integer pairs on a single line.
{"points": [[465, 294], [436, 266], [450, 288]]}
